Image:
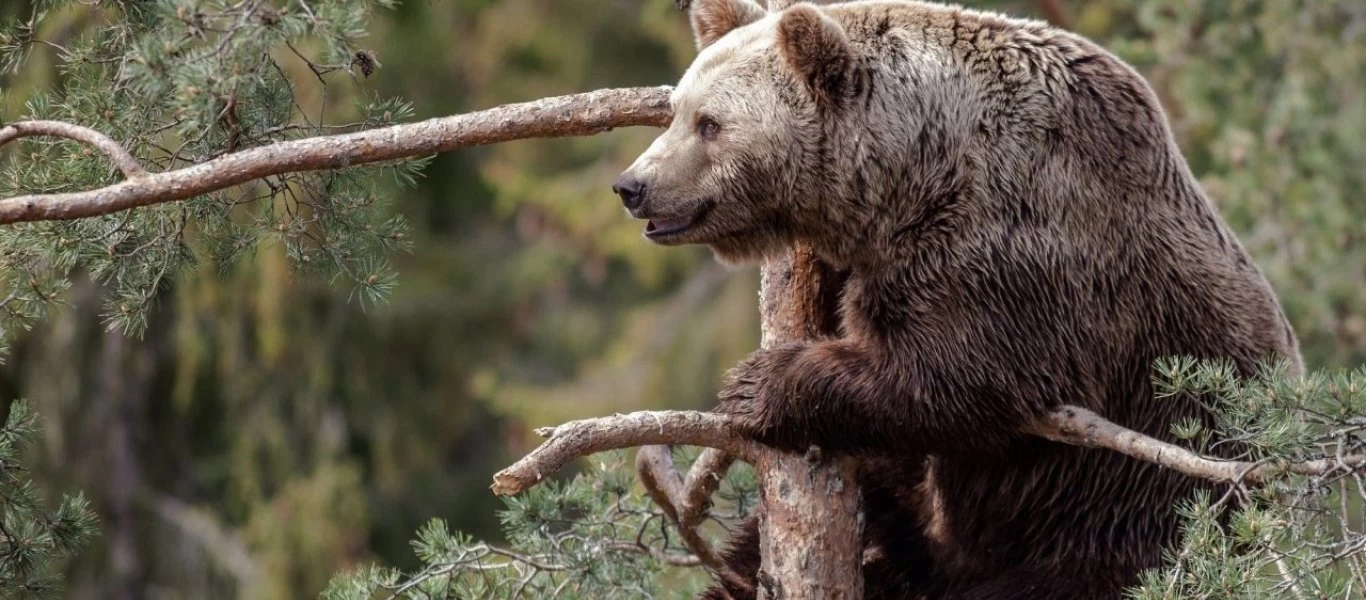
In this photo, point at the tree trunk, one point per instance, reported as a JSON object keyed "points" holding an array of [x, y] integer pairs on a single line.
{"points": [[810, 536]]}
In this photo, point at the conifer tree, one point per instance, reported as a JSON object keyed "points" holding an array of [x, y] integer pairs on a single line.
{"points": [[35, 537], [1263, 94]]}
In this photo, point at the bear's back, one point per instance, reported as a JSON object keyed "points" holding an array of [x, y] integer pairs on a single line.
{"points": [[1100, 256]]}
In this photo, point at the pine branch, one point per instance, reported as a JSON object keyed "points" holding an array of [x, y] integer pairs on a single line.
{"points": [[573, 115], [125, 162]]}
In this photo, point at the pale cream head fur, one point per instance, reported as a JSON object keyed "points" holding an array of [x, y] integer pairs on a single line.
{"points": [[689, 172]]}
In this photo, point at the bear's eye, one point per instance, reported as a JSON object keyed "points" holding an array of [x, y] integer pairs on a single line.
{"points": [[708, 128]]}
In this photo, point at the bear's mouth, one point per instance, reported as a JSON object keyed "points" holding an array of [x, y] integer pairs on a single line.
{"points": [[658, 229]]}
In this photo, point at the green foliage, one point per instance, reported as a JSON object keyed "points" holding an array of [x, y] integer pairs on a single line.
{"points": [[179, 82], [303, 424], [1265, 96], [1297, 536], [1260, 94], [35, 540], [594, 537], [312, 428]]}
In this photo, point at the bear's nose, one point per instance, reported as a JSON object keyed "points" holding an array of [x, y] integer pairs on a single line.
{"points": [[631, 190]]}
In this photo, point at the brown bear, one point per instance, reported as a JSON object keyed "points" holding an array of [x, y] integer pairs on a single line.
{"points": [[1021, 232]]}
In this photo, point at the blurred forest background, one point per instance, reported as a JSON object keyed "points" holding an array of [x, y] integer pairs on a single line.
{"points": [[269, 429]]}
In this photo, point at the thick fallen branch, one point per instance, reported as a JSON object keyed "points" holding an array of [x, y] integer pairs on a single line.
{"points": [[581, 438], [573, 115]]}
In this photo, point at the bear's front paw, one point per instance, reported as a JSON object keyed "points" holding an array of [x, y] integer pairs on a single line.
{"points": [[753, 397]]}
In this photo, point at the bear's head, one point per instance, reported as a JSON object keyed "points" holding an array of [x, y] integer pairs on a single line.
{"points": [[743, 166]]}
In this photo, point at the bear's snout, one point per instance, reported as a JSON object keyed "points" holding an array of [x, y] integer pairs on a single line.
{"points": [[631, 189]]}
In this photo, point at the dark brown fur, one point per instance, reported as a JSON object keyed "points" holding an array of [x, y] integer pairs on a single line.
{"points": [[1022, 233]]}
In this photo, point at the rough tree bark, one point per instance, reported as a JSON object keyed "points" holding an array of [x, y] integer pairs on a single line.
{"points": [[811, 528], [811, 525]]}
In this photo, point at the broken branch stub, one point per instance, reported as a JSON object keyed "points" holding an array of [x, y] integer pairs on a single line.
{"points": [[590, 436]]}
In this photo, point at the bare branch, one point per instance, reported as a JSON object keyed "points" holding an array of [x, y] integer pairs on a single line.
{"points": [[1068, 424], [688, 499], [656, 472], [1081, 427], [703, 479], [573, 115], [589, 436], [125, 162]]}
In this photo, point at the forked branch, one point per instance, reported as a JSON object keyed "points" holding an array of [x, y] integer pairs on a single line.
{"points": [[659, 476], [702, 481], [116, 153], [685, 501]]}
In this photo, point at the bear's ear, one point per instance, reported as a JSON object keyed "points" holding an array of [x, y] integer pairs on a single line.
{"points": [[712, 19], [817, 49]]}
